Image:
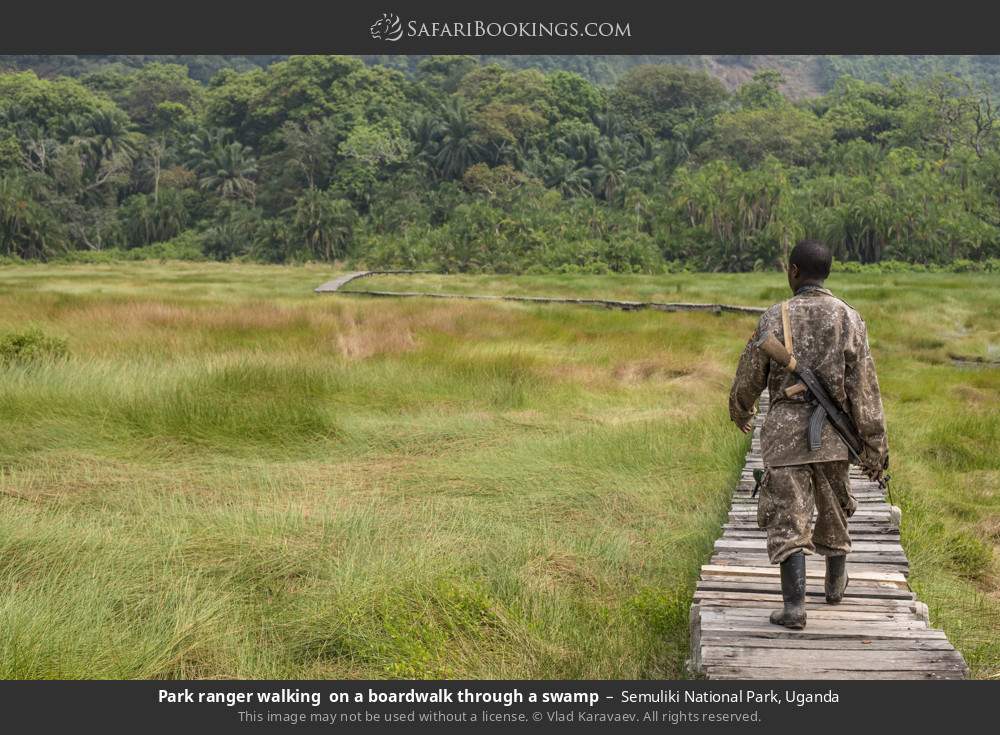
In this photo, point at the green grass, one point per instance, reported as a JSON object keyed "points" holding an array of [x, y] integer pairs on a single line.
{"points": [[230, 476]]}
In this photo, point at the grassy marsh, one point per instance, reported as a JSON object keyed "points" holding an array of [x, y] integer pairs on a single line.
{"points": [[230, 476]]}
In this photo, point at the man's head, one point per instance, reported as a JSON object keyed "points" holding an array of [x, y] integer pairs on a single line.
{"points": [[808, 263]]}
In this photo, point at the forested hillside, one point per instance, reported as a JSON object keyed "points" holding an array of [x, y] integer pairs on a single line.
{"points": [[804, 75], [455, 163]]}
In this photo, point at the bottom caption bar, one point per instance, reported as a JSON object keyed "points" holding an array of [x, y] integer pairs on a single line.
{"points": [[233, 706]]}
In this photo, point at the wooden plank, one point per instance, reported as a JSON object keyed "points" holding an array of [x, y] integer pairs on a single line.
{"points": [[885, 564], [736, 564], [882, 547], [865, 502], [760, 612], [748, 529], [826, 644], [847, 660], [857, 557], [723, 673], [869, 592], [876, 543], [815, 605], [850, 623], [859, 562], [813, 581], [880, 512], [889, 579], [732, 531], [770, 598], [812, 608], [694, 621], [878, 517], [742, 629]]}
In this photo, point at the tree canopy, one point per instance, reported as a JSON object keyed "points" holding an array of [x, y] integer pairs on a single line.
{"points": [[457, 164]]}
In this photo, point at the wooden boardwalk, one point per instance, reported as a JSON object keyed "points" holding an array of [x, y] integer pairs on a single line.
{"points": [[879, 631], [337, 286]]}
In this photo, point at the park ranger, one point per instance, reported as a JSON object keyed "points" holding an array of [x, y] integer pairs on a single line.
{"points": [[827, 335]]}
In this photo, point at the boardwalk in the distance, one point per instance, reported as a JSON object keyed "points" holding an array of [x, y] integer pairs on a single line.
{"points": [[879, 631]]}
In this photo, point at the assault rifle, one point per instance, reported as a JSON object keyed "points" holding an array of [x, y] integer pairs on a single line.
{"points": [[826, 408]]}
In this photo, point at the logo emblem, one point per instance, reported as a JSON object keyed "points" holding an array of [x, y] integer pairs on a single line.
{"points": [[387, 28]]}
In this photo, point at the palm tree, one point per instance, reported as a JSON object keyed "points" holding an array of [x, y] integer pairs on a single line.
{"points": [[659, 158], [459, 148], [324, 222], [202, 143], [581, 146], [611, 169], [104, 135], [28, 228], [228, 170], [609, 123], [567, 177], [506, 152], [425, 129]]}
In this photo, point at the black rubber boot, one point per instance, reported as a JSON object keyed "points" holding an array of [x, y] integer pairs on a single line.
{"points": [[836, 578], [793, 591]]}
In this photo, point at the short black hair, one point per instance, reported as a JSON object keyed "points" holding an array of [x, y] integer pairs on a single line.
{"points": [[813, 259]]}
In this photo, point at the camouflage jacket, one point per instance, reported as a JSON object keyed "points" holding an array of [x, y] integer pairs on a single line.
{"points": [[831, 338]]}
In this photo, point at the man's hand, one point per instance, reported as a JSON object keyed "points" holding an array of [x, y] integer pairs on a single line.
{"points": [[875, 474], [873, 465]]}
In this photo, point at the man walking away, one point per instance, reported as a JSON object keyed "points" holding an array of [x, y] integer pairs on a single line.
{"points": [[827, 335]]}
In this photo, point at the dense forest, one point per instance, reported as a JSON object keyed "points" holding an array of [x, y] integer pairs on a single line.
{"points": [[460, 163]]}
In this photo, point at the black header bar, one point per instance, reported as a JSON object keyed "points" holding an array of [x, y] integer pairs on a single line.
{"points": [[508, 27]]}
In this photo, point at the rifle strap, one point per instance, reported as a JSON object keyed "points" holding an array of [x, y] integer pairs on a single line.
{"points": [[786, 329], [786, 326]]}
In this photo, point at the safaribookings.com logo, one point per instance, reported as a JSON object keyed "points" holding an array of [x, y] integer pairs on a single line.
{"points": [[390, 28], [387, 28]]}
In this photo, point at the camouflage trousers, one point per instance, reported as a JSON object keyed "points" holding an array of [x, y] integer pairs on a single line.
{"points": [[785, 505]]}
